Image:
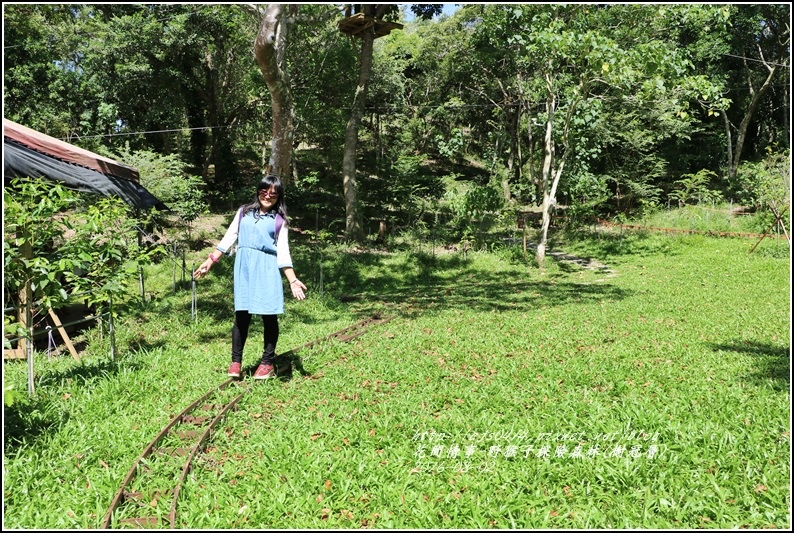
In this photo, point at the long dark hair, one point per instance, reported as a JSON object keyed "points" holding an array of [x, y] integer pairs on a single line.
{"points": [[271, 180]]}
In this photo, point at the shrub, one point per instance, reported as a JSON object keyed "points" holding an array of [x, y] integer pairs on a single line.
{"points": [[757, 184], [58, 243], [165, 177]]}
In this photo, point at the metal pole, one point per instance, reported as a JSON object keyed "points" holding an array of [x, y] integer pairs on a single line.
{"points": [[143, 291], [29, 345], [193, 310], [321, 275], [140, 268], [112, 329]]}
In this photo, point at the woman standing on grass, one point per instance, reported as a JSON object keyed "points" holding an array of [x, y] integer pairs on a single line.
{"points": [[260, 229]]}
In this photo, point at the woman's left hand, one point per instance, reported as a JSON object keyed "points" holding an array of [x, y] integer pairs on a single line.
{"points": [[298, 289]]}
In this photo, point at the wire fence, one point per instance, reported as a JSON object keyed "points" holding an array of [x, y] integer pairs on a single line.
{"points": [[32, 310]]}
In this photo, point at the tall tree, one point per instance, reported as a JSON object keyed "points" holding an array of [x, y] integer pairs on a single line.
{"points": [[372, 14], [270, 49], [366, 22], [45, 86], [762, 45], [167, 67], [579, 63]]}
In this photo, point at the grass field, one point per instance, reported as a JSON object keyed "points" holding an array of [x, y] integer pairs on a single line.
{"points": [[655, 394]]}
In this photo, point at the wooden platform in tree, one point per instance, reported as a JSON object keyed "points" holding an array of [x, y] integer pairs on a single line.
{"points": [[355, 25]]}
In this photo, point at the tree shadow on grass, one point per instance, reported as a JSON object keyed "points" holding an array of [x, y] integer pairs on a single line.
{"points": [[445, 282], [361, 283], [27, 420], [772, 361]]}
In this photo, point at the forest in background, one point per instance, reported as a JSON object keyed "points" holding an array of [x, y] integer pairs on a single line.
{"points": [[608, 110]]}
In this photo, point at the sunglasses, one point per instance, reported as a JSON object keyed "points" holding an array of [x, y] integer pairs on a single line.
{"points": [[267, 192]]}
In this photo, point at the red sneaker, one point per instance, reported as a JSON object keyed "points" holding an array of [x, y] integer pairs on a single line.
{"points": [[265, 371], [234, 370]]}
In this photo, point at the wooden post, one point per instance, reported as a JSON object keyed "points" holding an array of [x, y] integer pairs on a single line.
{"points": [[778, 220], [25, 315], [382, 232], [64, 335], [25, 295]]}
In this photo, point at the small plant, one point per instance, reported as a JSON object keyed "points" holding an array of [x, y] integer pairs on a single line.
{"points": [[11, 396], [693, 188]]}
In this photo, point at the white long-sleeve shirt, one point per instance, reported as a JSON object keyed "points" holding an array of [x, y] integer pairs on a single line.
{"points": [[283, 257]]}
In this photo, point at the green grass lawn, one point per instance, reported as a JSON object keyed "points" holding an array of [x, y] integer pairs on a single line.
{"points": [[501, 395]]}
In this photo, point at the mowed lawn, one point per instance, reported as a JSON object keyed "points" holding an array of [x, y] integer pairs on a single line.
{"points": [[652, 394]]}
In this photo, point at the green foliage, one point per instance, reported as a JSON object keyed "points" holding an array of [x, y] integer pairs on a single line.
{"points": [[586, 196], [646, 85], [695, 188], [11, 396], [74, 247], [166, 177], [759, 183], [450, 146], [410, 190], [33, 226]]}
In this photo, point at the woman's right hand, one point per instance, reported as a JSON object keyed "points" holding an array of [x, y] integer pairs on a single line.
{"points": [[203, 269]]}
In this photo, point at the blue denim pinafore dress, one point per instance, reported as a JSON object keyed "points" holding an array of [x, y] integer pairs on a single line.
{"points": [[257, 280]]}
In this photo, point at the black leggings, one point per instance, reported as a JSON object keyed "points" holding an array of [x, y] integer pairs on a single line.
{"points": [[242, 320]]}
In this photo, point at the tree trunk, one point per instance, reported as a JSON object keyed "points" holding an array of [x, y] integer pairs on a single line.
{"points": [[270, 47], [548, 158], [550, 182], [514, 157], [353, 222], [729, 137], [755, 101]]}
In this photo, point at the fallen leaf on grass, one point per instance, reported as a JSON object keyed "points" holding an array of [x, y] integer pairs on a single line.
{"points": [[328, 484]]}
